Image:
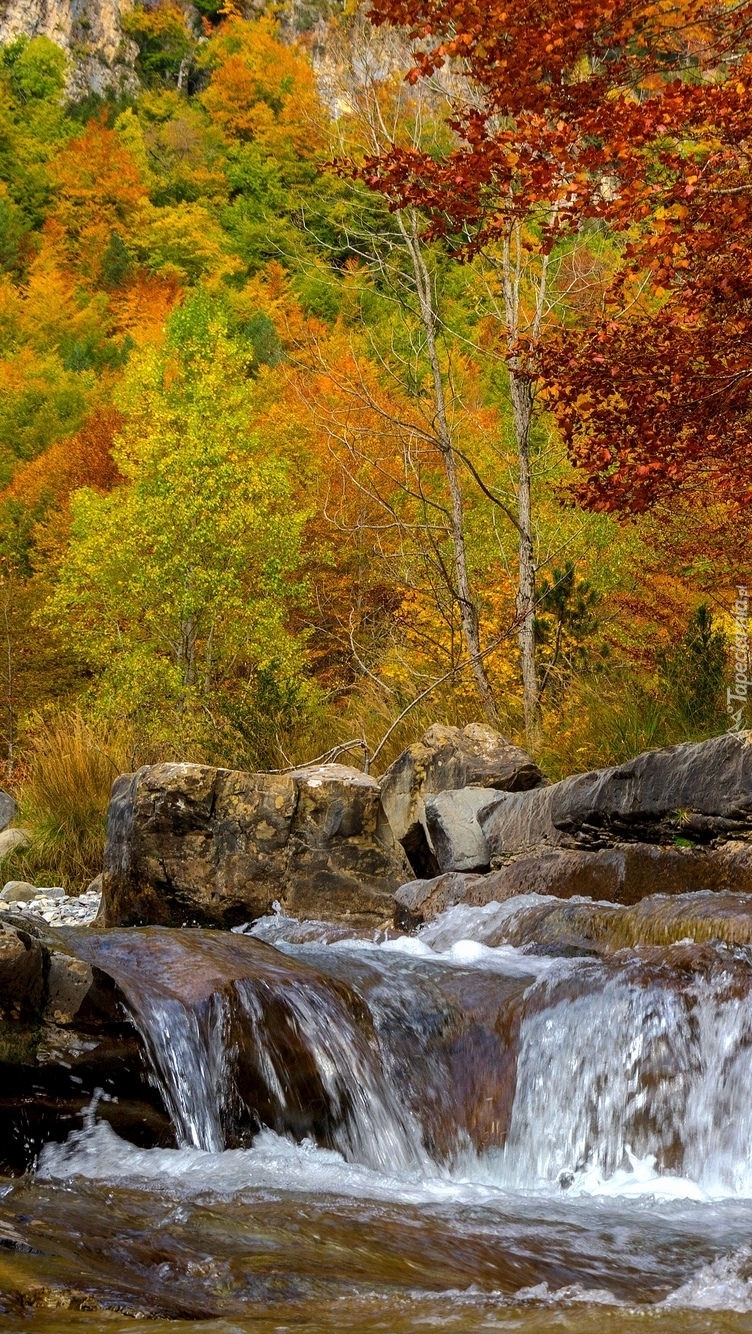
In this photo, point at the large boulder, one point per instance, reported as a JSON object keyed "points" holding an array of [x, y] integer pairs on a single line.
{"points": [[447, 759], [700, 792], [190, 844], [624, 874]]}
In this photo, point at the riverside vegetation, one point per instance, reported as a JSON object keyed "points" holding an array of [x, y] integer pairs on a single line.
{"points": [[331, 394]]}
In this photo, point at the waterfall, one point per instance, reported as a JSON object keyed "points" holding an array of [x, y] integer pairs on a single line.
{"points": [[634, 1070], [239, 1037], [408, 1058]]}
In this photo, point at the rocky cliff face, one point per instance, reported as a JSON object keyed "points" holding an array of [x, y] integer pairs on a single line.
{"points": [[89, 30]]}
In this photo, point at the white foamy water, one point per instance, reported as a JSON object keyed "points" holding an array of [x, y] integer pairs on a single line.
{"points": [[637, 1085]]}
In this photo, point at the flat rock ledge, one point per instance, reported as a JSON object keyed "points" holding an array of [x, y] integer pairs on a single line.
{"points": [[700, 792], [624, 874], [189, 844]]}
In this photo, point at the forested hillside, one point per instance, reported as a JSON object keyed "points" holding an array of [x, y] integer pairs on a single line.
{"points": [[338, 379]]}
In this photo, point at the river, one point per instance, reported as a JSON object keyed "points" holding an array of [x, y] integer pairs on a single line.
{"points": [[502, 1138]]}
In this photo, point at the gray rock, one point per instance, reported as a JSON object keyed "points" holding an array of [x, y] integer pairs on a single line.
{"points": [[51, 892], [10, 839], [451, 822], [8, 809], [446, 759], [68, 984], [19, 891], [190, 844], [701, 791]]}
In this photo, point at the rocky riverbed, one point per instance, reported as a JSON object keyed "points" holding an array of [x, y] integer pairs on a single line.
{"points": [[55, 906]]}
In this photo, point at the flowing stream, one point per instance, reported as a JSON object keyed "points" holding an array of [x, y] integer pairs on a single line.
{"points": [[445, 1131]]}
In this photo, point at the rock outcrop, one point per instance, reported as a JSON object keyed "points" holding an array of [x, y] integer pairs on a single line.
{"points": [[448, 759], [188, 844], [90, 31], [700, 792], [668, 822], [623, 874]]}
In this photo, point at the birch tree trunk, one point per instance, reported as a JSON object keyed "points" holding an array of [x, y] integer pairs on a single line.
{"points": [[467, 605], [522, 409]]}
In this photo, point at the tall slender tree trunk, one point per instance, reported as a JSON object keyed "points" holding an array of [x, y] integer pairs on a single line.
{"points": [[522, 409], [463, 591]]}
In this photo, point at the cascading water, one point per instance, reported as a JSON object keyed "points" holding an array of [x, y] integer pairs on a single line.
{"points": [[632, 1070], [398, 1133]]}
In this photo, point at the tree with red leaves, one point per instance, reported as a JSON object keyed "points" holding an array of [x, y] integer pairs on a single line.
{"points": [[581, 114]]}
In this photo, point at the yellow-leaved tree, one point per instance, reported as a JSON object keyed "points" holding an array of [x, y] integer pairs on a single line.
{"points": [[176, 587]]}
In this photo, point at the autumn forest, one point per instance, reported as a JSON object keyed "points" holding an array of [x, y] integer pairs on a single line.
{"points": [[366, 367]]}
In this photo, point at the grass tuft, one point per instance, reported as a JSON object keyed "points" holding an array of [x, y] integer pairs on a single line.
{"points": [[70, 768]]}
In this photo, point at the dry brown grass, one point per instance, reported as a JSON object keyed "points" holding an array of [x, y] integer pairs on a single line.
{"points": [[70, 766]]}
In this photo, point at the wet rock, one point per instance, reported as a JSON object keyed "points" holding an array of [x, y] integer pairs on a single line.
{"points": [[64, 1035], [701, 792], [449, 1041], [69, 982], [449, 758], [18, 891], [548, 925], [22, 966], [264, 1040], [420, 901], [625, 874], [189, 845]]}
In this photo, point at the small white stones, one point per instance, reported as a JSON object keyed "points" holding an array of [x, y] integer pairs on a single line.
{"points": [[56, 907]]}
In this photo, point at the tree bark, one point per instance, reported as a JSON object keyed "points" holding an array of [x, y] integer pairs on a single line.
{"points": [[463, 591], [522, 408]]}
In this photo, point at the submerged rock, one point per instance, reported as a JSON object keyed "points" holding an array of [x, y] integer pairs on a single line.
{"points": [[188, 844], [447, 759], [543, 924]]}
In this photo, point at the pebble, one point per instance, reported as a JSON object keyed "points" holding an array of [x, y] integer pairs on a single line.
{"points": [[58, 908]]}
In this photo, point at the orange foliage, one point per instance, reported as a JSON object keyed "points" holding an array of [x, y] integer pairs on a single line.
{"points": [[99, 193], [82, 460], [264, 92], [141, 309]]}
